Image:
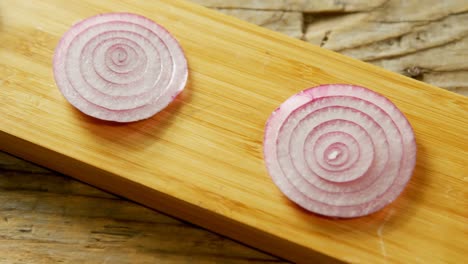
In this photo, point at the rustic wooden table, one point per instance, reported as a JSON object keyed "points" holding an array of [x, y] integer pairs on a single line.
{"points": [[46, 217]]}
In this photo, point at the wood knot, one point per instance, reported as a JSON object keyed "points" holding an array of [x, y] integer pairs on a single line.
{"points": [[414, 71]]}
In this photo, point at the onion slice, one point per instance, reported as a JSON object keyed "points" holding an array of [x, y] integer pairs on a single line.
{"points": [[119, 67], [339, 150]]}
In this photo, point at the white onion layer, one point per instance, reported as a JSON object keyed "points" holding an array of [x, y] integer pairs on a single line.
{"points": [[119, 67], [339, 150]]}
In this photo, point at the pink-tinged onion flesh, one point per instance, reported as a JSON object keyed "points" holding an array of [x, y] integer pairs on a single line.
{"points": [[120, 67], [339, 150]]}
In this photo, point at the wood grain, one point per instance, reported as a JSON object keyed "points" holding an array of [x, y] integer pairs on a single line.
{"points": [[425, 41], [201, 158], [49, 218]]}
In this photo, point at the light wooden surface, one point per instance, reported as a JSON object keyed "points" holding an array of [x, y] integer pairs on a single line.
{"points": [[223, 184]]}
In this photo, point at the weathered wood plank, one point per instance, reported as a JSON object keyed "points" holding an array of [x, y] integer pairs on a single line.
{"points": [[46, 217], [295, 5], [387, 30], [404, 37]]}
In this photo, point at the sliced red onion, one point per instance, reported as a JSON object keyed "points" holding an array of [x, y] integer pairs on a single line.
{"points": [[119, 67], [339, 150]]}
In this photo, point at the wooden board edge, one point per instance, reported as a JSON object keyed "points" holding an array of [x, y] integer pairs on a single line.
{"points": [[238, 23], [160, 201]]}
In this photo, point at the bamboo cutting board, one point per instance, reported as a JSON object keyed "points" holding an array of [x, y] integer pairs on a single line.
{"points": [[201, 158]]}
